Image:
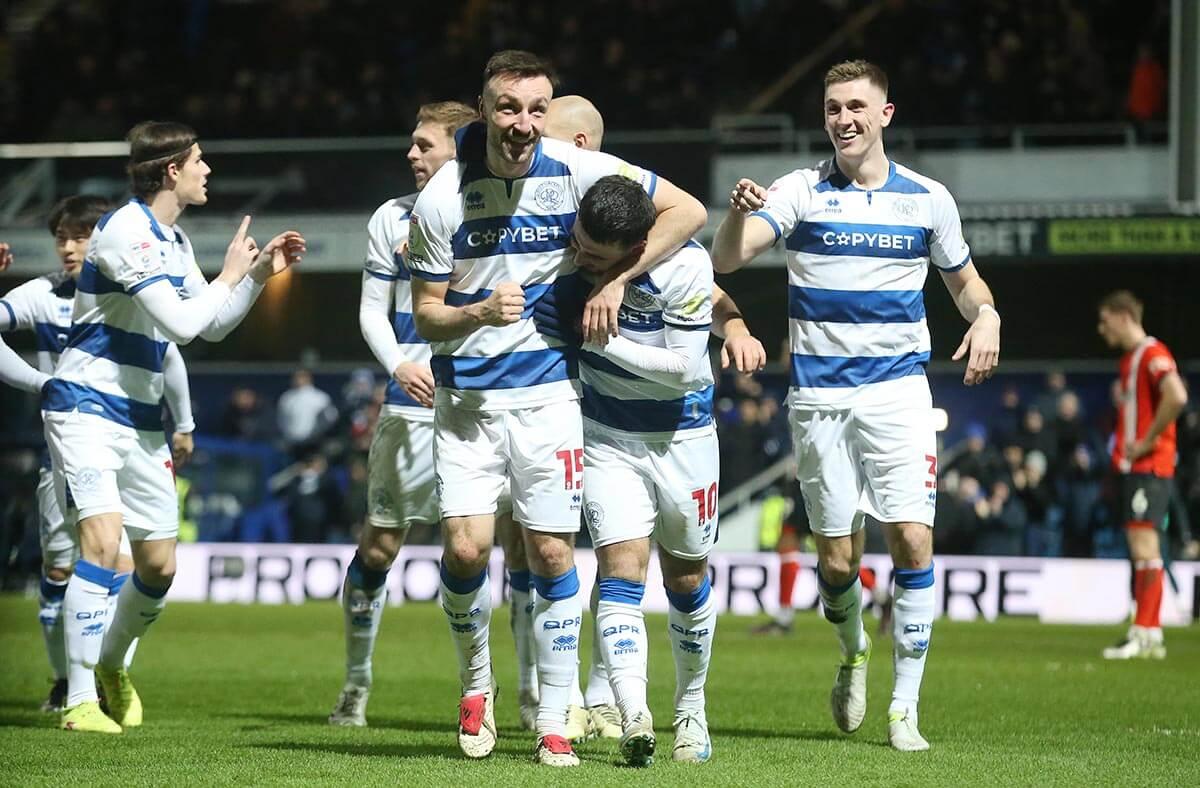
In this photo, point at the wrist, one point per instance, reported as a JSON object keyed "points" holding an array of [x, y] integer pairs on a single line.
{"points": [[982, 308], [185, 427], [259, 274]]}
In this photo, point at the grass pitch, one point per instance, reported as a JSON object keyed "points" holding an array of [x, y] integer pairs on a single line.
{"points": [[239, 694]]}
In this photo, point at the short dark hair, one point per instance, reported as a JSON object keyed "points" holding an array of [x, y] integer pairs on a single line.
{"points": [[617, 210], [77, 214], [518, 63], [153, 146], [1123, 301], [850, 70]]}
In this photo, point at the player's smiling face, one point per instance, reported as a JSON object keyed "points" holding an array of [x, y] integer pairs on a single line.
{"points": [[71, 245], [856, 113], [431, 148], [191, 179], [515, 110], [595, 257]]}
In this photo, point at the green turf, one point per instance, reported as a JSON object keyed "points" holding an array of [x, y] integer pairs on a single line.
{"points": [[239, 694]]}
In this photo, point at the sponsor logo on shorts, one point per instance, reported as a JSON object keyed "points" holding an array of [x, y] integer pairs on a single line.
{"points": [[87, 480], [565, 643], [94, 629], [464, 627], [625, 646], [690, 646]]}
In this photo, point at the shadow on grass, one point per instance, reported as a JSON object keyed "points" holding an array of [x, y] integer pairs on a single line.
{"points": [[381, 721], [783, 734], [448, 750]]}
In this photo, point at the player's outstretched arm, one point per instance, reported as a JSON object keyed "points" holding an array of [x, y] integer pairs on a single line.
{"points": [[438, 322], [374, 306], [741, 348], [16, 373], [981, 343], [738, 241], [283, 251], [680, 216]]}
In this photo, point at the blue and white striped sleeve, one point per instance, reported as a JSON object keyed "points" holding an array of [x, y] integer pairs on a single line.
{"points": [[19, 306], [386, 232], [430, 230], [948, 250], [787, 200]]}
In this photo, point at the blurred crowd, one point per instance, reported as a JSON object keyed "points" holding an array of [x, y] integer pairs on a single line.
{"points": [[1034, 480], [90, 69]]}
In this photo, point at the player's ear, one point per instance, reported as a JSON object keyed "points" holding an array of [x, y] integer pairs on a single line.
{"points": [[888, 109]]}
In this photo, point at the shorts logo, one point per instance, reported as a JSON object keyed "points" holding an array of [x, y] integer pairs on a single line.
{"points": [[381, 503], [905, 207], [87, 480], [1140, 503], [549, 196], [594, 513]]}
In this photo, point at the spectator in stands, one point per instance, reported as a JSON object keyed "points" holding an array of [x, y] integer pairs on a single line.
{"points": [[305, 412], [1036, 437], [315, 503], [1069, 428], [1000, 522], [247, 416], [975, 458], [1080, 489], [1147, 97], [1007, 425]]}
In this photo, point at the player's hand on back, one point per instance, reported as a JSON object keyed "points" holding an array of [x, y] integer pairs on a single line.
{"points": [[416, 380], [6, 256], [747, 196], [745, 353], [281, 253], [504, 306], [981, 347], [601, 310]]}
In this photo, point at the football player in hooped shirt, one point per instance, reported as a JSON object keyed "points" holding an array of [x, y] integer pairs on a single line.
{"points": [[488, 239], [861, 232], [45, 305], [139, 290]]}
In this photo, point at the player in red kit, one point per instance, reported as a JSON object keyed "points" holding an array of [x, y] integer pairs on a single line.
{"points": [[1152, 396]]}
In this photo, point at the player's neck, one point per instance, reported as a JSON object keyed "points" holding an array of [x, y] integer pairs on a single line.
{"points": [[503, 169], [1136, 336], [869, 172], [165, 207]]}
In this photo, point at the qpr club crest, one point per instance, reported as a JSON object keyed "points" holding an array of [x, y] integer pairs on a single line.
{"points": [[639, 299], [905, 207], [549, 196]]}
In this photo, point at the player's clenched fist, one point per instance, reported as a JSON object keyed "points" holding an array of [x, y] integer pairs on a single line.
{"points": [[504, 305], [747, 196]]}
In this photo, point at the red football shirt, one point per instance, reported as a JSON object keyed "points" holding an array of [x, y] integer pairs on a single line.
{"points": [[1142, 370]]}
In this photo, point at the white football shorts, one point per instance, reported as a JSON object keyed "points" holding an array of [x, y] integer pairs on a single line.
{"points": [[400, 479], [101, 467], [667, 490], [539, 450], [878, 460]]}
